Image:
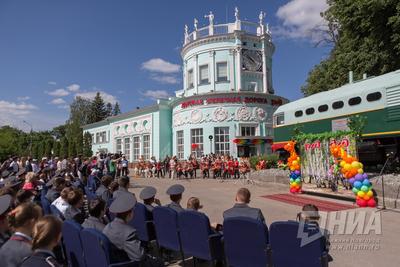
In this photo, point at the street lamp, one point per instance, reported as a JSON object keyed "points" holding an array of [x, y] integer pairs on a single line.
{"points": [[30, 143]]}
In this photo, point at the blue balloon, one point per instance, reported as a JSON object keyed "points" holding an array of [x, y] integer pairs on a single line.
{"points": [[357, 184], [366, 182], [352, 180], [365, 176], [359, 177]]}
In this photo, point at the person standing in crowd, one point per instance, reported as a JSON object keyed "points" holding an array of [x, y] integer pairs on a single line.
{"points": [[28, 165], [124, 164], [172, 166], [241, 207], [166, 165], [175, 194], [46, 236], [5, 205], [149, 200], [120, 233], [14, 167], [112, 166], [97, 209], [75, 201], [35, 167], [21, 219]]}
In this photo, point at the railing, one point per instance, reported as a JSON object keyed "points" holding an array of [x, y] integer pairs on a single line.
{"points": [[221, 29]]}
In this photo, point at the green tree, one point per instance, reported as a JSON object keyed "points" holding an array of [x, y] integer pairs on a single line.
{"points": [[366, 40], [35, 151], [56, 148], [71, 148], [9, 142], [41, 149], [98, 109], [64, 148], [109, 109], [79, 144], [117, 109], [87, 144], [48, 147]]}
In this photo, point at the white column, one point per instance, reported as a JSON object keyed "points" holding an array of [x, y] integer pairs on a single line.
{"points": [[265, 72], [196, 74], [131, 148], [239, 68], [231, 63], [212, 69]]}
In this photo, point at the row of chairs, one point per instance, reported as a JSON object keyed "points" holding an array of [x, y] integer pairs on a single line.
{"points": [[245, 241]]}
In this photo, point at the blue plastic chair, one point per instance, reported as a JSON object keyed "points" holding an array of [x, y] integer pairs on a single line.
{"points": [[166, 226], [56, 212], [284, 238], [142, 224], [97, 250], [246, 242], [45, 205], [198, 240], [73, 244]]}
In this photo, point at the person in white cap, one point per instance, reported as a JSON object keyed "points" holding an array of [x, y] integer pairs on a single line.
{"points": [[119, 232]]}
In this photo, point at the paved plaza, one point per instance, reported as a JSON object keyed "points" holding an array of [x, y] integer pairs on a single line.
{"points": [[346, 250]]}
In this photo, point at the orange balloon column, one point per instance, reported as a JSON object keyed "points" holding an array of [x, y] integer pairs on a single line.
{"points": [[294, 166], [353, 171]]}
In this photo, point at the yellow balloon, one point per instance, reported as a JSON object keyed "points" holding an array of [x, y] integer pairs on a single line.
{"points": [[361, 165], [366, 197], [355, 164], [347, 167], [342, 163], [294, 162], [292, 168], [298, 158], [360, 194], [360, 171], [370, 193]]}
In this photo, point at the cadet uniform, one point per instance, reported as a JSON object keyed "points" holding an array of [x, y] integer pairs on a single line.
{"points": [[147, 193], [41, 258], [122, 235], [5, 202], [175, 189], [15, 250], [120, 191], [93, 222], [243, 210]]}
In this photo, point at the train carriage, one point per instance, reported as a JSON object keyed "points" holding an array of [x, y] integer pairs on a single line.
{"points": [[375, 98]]}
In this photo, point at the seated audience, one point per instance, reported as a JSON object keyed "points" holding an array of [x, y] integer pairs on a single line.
{"points": [[61, 203], [5, 204], [46, 236], [103, 190], [24, 196], [123, 185], [175, 194], [58, 184], [97, 209], [193, 204], [21, 220], [241, 207], [75, 201], [148, 196], [119, 232], [31, 181]]}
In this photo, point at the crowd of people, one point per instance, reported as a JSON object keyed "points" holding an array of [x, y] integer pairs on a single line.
{"points": [[27, 238]]}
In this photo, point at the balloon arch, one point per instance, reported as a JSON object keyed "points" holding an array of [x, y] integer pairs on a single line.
{"points": [[349, 167]]}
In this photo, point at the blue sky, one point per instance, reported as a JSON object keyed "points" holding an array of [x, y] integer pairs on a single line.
{"points": [[53, 50]]}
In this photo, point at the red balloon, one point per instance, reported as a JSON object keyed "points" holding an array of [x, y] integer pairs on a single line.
{"points": [[372, 203], [362, 203], [292, 190]]}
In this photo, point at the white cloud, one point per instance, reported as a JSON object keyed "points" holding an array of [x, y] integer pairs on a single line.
{"points": [[52, 83], [91, 94], [73, 87], [11, 108], [156, 94], [301, 19], [160, 65], [168, 79], [23, 98], [58, 101], [58, 92]]}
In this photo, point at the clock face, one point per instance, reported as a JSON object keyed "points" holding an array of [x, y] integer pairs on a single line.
{"points": [[252, 60]]}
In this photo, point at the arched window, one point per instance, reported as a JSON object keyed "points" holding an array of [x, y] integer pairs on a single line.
{"points": [[354, 101], [337, 104], [374, 96], [298, 113], [323, 108], [310, 111]]}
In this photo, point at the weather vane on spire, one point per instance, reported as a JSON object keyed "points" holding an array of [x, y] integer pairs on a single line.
{"points": [[261, 17]]}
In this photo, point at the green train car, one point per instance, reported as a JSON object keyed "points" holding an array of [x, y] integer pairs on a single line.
{"points": [[376, 98]]}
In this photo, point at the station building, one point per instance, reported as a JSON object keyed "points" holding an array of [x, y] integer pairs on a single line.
{"points": [[225, 106]]}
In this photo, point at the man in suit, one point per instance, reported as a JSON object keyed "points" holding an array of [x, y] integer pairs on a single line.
{"points": [[175, 194], [119, 232], [241, 207]]}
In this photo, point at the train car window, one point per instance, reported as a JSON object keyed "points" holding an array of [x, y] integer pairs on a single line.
{"points": [[354, 101], [337, 104], [323, 108], [374, 96], [280, 119], [310, 111], [298, 113]]}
